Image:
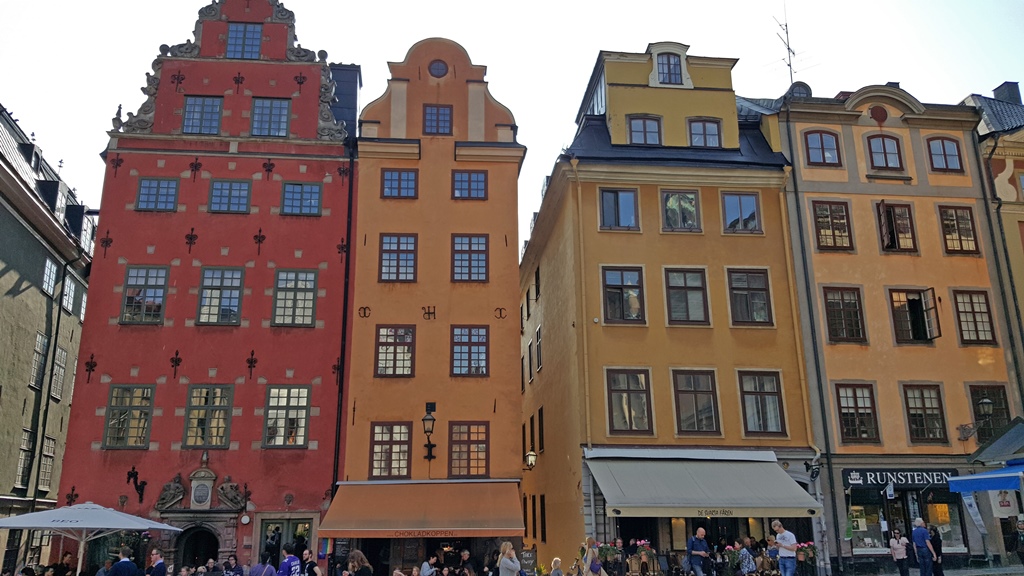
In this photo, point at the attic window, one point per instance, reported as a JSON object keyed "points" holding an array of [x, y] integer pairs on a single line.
{"points": [[670, 69], [438, 69], [35, 161], [244, 41]]}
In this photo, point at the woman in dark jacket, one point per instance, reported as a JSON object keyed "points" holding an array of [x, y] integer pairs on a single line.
{"points": [[936, 539]]}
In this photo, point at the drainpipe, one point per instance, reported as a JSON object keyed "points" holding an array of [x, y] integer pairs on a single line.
{"points": [[815, 349], [990, 184], [574, 162], [794, 304], [351, 145]]}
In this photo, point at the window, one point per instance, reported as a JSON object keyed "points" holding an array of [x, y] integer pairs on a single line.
{"points": [[396, 351], [533, 511], [1000, 411], [915, 316], [28, 444], [536, 283], [437, 119], [529, 352], [749, 297], [896, 223], [623, 295], [644, 130], [301, 200], [390, 447], [60, 363], [696, 402], [524, 443], [540, 358], [832, 226], [844, 315], [543, 519], [208, 417], [958, 229], [533, 434], [858, 417], [157, 195], [762, 403], [287, 416], [670, 69], [885, 153], [81, 310], [925, 417], [202, 115], [220, 296], [398, 257], [270, 117], [144, 292], [540, 429], [244, 40], [438, 68], [687, 296], [128, 417], [469, 350], [974, 317], [944, 154], [399, 184], [229, 197], [470, 445], [469, 258], [68, 300], [705, 133], [822, 149], [741, 212], [619, 210], [294, 294], [46, 463], [49, 276], [522, 374], [39, 351], [629, 402], [680, 212], [468, 185]]}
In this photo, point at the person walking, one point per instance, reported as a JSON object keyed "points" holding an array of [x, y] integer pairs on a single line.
{"points": [[508, 564], [936, 540], [786, 543], [923, 547], [556, 567], [698, 551], [898, 548], [291, 565]]}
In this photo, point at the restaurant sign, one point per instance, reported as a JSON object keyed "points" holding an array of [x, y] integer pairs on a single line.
{"points": [[880, 478]]}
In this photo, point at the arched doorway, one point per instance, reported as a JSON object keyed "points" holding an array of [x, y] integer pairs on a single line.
{"points": [[196, 546]]}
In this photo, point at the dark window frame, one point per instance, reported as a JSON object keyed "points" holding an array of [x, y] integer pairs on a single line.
{"points": [[406, 444], [287, 408], [944, 155], [883, 138], [540, 430], [1001, 413], [935, 411], [909, 325], [291, 307], [844, 314], [666, 73], [471, 265], [665, 227], [197, 114], [543, 519], [864, 418], [974, 315], [605, 286], [748, 289], [610, 398], [644, 131], [471, 191], [399, 176], [131, 413], [615, 213], [301, 204], [822, 148], [145, 289], [678, 393], [398, 252], [469, 443], [762, 394], [726, 229], [955, 234], [529, 357], [891, 237], [540, 358], [703, 289], [833, 233], [393, 365], [191, 408], [221, 286], [470, 346], [438, 122], [704, 123]]}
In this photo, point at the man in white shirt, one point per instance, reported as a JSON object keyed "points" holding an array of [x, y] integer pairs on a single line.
{"points": [[786, 542]]}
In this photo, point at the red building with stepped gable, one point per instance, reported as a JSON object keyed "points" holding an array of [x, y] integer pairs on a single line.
{"points": [[208, 395]]}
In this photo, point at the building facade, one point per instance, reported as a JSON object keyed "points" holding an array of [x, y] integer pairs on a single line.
{"points": [[44, 261], [216, 332], [662, 375], [432, 404], [904, 319]]}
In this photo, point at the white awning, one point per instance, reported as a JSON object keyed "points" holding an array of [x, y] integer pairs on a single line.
{"points": [[686, 488]]}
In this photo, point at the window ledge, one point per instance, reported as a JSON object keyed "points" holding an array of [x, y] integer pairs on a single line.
{"points": [[893, 177]]}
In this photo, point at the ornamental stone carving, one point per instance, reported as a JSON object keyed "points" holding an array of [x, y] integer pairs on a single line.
{"points": [[300, 54], [173, 491], [188, 49], [211, 12], [282, 14], [330, 128]]}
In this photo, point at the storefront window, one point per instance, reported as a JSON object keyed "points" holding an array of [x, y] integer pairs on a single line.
{"points": [[873, 516]]}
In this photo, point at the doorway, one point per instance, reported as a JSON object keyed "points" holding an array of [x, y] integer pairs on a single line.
{"points": [[197, 546]]}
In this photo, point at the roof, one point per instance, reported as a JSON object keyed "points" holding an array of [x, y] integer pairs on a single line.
{"points": [[593, 142], [751, 109], [996, 115], [1006, 445]]}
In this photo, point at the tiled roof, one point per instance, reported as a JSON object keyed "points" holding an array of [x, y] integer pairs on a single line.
{"points": [[996, 115], [593, 142]]}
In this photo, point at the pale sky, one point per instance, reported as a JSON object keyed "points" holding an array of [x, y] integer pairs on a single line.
{"points": [[67, 64]]}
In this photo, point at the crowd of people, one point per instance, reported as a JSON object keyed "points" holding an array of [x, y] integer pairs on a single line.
{"points": [[502, 562], [926, 543]]}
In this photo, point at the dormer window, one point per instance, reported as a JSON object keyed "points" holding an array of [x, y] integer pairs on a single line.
{"points": [[35, 162], [244, 41], [705, 133], [644, 130], [670, 69]]}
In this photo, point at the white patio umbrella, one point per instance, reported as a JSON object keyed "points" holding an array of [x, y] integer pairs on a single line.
{"points": [[82, 523]]}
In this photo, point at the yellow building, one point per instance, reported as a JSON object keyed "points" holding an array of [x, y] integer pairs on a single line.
{"points": [[905, 332], [433, 337], [662, 372]]}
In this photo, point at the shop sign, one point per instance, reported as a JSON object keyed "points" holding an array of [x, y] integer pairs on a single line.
{"points": [[900, 479], [424, 534], [1004, 503]]}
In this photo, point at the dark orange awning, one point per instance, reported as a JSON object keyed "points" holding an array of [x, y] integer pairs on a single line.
{"points": [[424, 510]]}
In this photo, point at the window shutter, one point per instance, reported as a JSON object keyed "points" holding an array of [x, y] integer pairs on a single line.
{"points": [[931, 314], [883, 226]]}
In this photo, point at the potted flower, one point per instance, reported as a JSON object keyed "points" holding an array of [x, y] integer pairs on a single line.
{"points": [[606, 552], [732, 556], [805, 550]]}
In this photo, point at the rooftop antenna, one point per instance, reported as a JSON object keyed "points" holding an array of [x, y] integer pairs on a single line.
{"points": [[60, 166], [785, 41]]}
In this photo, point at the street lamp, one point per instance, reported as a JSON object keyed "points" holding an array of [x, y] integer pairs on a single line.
{"points": [[428, 429], [985, 407], [531, 460]]}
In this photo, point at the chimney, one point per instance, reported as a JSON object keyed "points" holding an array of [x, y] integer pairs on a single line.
{"points": [[893, 84], [1008, 92]]}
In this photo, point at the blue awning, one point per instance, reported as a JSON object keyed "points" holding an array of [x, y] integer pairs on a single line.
{"points": [[1008, 478]]}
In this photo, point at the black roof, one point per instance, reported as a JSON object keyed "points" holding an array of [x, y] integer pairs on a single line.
{"points": [[997, 115], [593, 143]]}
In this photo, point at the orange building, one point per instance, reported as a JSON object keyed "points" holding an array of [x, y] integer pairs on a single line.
{"points": [[433, 341]]}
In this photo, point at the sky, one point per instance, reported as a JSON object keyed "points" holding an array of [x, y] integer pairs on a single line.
{"points": [[65, 65]]}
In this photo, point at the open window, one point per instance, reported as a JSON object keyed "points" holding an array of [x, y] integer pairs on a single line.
{"points": [[915, 315], [896, 227]]}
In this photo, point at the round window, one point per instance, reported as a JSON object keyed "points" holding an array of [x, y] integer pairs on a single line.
{"points": [[438, 68]]}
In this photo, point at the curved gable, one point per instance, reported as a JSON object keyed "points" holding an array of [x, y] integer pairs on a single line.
{"points": [[898, 97]]}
